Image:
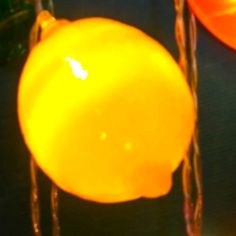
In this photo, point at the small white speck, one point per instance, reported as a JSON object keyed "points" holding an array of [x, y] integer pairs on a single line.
{"points": [[77, 69]]}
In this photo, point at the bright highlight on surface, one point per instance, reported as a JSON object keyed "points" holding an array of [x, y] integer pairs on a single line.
{"points": [[219, 17], [77, 69], [122, 134]]}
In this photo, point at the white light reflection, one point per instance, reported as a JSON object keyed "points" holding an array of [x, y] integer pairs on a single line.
{"points": [[77, 69]]}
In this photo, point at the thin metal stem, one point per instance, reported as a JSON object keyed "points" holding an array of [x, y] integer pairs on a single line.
{"points": [[180, 34], [54, 206], [35, 206], [54, 189], [191, 165], [51, 6], [196, 151], [38, 6], [35, 209]]}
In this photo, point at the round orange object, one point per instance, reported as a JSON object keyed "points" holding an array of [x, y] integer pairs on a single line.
{"points": [[105, 110], [219, 16]]}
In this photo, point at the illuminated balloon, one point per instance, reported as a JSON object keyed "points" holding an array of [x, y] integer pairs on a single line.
{"points": [[219, 16], [104, 110]]}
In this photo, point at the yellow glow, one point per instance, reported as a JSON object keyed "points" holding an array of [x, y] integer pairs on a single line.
{"points": [[128, 146], [107, 113], [103, 136]]}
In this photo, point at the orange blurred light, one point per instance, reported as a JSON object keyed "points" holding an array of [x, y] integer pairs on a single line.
{"points": [[105, 110], [219, 16]]}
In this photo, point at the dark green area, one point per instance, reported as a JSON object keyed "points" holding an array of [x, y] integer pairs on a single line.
{"points": [[16, 18]]}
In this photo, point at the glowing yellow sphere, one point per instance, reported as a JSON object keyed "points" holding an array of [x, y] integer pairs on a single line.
{"points": [[105, 110]]}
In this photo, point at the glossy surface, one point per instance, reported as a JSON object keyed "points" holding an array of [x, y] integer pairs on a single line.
{"points": [[105, 111], [219, 16]]}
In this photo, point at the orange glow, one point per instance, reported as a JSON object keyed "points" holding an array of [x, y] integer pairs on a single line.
{"points": [[219, 16], [105, 110]]}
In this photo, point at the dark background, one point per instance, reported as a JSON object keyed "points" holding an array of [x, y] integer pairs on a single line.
{"points": [[163, 216]]}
